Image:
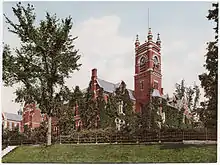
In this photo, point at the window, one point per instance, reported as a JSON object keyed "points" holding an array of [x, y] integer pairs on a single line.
{"points": [[156, 61], [10, 125], [142, 85], [142, 61], [120, 107]]}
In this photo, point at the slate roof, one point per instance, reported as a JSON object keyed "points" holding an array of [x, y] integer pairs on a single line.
{"points": [[12, 116], [111, 87], [131, 94], [107, 86]]}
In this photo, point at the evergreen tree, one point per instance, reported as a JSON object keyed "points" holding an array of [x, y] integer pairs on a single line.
{"points": [[45, 58], [209, 80]]}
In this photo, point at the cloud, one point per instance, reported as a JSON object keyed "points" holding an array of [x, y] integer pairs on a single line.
{"points": [[102, 46]]}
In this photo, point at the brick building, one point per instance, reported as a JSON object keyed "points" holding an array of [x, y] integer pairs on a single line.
{"points": [[147, 70], [108, 88], [11, 121], [31, 117], [147, 79]]}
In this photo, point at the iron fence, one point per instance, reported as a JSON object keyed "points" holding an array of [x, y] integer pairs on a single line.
{"points": [[148, 137]]}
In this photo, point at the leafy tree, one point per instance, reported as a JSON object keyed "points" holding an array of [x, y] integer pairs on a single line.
{"points": [[180, 89], [209, 80], [197, 96], [67, 101], [189, 95], [38, 134], [45, 58]]}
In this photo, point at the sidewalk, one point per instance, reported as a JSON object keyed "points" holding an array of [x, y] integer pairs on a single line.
{"points": [[7, 150]]}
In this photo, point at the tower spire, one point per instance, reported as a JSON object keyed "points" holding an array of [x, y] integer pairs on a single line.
{"points": [[150, 36], [148, 18]]}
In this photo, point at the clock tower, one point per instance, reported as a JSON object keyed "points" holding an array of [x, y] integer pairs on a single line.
{"points": [[147, 70]]}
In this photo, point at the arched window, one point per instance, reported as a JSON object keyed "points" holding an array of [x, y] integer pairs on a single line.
{"points": [[156, 61]]}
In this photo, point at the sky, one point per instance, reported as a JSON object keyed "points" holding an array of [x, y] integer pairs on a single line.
{"points": [[106, 34]]}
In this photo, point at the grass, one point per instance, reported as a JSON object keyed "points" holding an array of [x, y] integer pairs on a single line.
{"points": [[177, 153]]}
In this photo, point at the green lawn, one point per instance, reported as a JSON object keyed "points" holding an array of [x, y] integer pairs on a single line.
{"points": [[113, 153]]}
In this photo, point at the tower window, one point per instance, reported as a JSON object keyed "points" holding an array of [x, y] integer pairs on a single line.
{"points": [[142, 61], [142, 85], [156, 61]]}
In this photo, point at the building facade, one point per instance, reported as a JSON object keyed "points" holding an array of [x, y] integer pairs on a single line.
{"points": [[147, 70], [31, 116], [11, 121]]}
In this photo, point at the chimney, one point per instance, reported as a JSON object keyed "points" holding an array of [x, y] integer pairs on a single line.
{"points": [[94, 73], [93, 79]]}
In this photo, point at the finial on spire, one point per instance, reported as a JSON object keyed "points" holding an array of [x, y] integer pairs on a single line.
{"points": [[137, 43], [158, 39], [150, 36], [137, 38]]}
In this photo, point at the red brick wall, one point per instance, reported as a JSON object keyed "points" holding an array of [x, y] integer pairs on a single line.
{"points": [[146, 73]]}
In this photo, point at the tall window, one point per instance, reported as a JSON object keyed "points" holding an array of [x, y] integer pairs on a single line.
{"points": [[10, 125], [142, 84]]}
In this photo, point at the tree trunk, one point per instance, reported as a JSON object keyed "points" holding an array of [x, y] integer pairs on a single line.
{"points": [[49, 131]]}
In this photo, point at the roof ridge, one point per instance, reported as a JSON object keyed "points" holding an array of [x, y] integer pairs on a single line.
{"points": [[107, 81]]}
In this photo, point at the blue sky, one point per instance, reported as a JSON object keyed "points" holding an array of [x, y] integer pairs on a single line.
{"points": [[107, 31]]}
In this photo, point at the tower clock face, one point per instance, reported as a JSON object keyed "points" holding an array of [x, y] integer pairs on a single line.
{"points": [[156, 61], [142, 61]]}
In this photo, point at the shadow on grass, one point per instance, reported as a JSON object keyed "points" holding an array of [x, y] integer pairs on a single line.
{"points": [[181, 146]]}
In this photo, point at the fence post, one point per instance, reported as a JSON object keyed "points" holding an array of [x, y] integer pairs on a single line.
{"points": [[137, 140], [183, 136], [206, 135], [116, 139], [96, 139], [60, 139], [159, 136], [78, 139]]}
